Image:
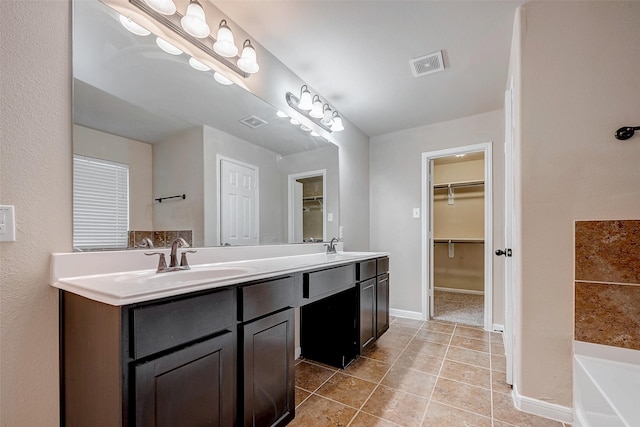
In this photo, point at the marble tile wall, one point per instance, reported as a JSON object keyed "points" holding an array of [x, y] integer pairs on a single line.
{"points": [[607, 288], [160, 239]]}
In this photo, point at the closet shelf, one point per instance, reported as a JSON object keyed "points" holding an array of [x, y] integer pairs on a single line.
{"points": [[459, 184], [459, 240]]}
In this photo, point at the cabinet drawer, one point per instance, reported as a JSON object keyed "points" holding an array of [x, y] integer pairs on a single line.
{"points": [[327, 282], [264, 298], [383, 265], [166, 325], [365, 270]]}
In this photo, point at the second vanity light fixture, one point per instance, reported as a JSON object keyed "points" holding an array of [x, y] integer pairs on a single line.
{"points": [[193, 27], [319, 112]]}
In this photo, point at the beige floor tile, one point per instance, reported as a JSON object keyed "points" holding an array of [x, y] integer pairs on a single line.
{"points": [[503, 410], [463, 396], [427, 347], [498, 383], [498, 363], [408, 322], [404, 379], [401, 408], [471, 343], [433, 336], [466, 373], [403, 330], [477, 333], [439, 326], [317, 411], [310, 376], [471, 357], [497, 348], [394, 340], [368, 369], [301, 395], [348, 390], [365, 420], [383, 353], [497, 423], [439, 415], [496, 337], [420, 362]]}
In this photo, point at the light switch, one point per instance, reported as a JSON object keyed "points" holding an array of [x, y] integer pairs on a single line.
{"points": [[329, 217], [341, 232], [416, 212], [7, 224]]}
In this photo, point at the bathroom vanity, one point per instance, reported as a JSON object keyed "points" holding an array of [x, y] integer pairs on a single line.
{"points": [[216, 351]]}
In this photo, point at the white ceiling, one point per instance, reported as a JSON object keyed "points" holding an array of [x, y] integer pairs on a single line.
{"points": [[356, 54]]}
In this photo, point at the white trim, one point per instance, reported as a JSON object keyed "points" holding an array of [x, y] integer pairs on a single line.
{"points": [[298, 353], [459, 291], [488, 224], [541, 408], [498, 328], [415, 315], [291, 178], [219, 158]]}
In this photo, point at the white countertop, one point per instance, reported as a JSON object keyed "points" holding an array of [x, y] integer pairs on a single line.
{"points": [[144, 285]]}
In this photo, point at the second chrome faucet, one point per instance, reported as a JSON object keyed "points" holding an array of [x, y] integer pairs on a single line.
{"points": [[173, 257]]}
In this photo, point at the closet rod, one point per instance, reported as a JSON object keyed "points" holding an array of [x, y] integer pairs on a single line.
{"points": [[458, 241], [459, 184]]}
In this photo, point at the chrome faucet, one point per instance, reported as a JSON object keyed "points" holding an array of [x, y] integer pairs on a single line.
{"points": [[173, 257], [331, 247]]}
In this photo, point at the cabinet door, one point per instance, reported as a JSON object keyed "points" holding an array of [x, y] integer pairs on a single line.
{"points": [[269, 370], [382, 304], [193, 386], [367, 313]]}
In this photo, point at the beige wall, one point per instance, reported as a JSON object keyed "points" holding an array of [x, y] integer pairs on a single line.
{"points": [[35, 176], [136, 154], [396, 175], [576, 68]]}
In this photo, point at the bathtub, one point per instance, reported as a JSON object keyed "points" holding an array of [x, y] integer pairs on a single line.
{"points": [[606, 386]]}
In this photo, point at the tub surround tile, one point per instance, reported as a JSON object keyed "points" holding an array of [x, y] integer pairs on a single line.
{"points": [[607, 251], [608, 314]]}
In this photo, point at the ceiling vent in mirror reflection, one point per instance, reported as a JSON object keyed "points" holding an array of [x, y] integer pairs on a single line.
{"points": [[427, 64], [253, 122]]}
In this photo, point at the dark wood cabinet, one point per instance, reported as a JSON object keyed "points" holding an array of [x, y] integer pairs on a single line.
{"points": [[367, 313], [268, 384], [373, 288], [187, 387], [382, 304]]}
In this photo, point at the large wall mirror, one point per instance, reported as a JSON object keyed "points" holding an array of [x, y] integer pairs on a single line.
{"points": [[170, 152]]}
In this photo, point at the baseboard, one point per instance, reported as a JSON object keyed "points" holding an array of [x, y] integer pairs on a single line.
{"points": [[541, 408], [498, 328], [415, 315], [459, 291], [298, 352]]}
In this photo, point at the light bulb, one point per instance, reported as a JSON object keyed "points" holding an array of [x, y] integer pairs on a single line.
{"points": [[198, 65], [165, 7], [337, 123], [327, 118], [281, 114], [305, 99], [314, 133], [167, 47], [223, 80], [247, 61], [305, 128], [194, 21], [224, 44], [294, 122], [133, 27], [316, 110]]}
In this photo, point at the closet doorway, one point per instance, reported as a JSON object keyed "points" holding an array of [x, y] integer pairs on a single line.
{"points": [[457, 275]]}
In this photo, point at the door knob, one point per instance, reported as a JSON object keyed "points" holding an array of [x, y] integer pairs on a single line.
{"points": [[506, 252]]}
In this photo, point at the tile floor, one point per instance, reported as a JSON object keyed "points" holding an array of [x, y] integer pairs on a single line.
{"points": [[418, 374]]}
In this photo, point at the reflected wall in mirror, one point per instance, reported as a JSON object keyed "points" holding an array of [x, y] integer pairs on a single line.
{"points": [[171, 125]]}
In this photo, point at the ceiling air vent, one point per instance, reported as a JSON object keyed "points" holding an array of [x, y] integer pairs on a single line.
{"points": [[253, 122], [427, 64]]}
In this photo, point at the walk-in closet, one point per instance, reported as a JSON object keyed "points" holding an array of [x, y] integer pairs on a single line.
{"points": [[458, 238]]}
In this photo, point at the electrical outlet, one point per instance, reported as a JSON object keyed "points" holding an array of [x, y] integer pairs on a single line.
{"points": [[7, 224], [416, 212]]}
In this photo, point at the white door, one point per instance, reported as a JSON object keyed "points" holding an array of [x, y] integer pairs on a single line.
{"points": [[238, 203], [297, 212], [509, 200]]}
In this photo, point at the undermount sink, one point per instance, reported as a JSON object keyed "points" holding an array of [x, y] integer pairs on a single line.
{"points": [[200, 274]]}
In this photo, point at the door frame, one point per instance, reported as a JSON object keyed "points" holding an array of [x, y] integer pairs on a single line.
{"points": [[219, 159], [509, 232], [291, 203], [427, 226]]}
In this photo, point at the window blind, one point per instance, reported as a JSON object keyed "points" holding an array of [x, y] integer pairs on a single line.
{"points": [[100, 204]]}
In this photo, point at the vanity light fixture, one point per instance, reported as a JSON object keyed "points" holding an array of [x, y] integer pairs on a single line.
{"points": [[167, 47], [313, 107], [198, 65], [194, 21], [281, 114], [305, 128], [294, 122], [165, 7], [223, 80], [193, 28], [133, 26]]}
